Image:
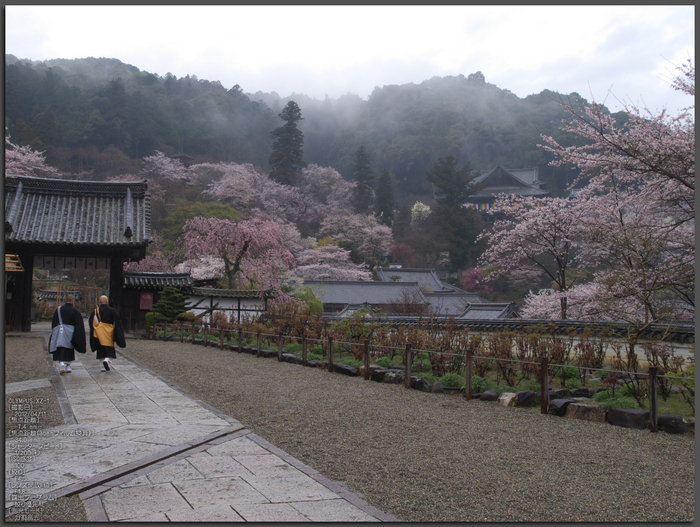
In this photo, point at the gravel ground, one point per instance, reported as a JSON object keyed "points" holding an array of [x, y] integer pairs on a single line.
{"points": [[25, 360], [434, 457]]}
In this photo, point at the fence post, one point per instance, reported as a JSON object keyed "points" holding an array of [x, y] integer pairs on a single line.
{"points": [[544, 382], [279, 347], [303, 350], [259, 340], [468, 374], [182, 331], [206, 335], [193, 330], [240, 340], [330, 354], [407, 377], [165, 331], [366, 356], [653, 403], [222, 333]]}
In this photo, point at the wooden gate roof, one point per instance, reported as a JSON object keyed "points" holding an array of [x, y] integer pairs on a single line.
{"points": [[79, 214]]}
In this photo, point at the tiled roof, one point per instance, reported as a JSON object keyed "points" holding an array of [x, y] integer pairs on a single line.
{"points": [[82, 213], [487, 311], [134, 280], [451, 304], [427, 279], [226, 293], [360, 292], [499, 180]]}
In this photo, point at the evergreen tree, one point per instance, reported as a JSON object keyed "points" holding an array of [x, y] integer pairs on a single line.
{"points": [[286, 160], [364, 178], [384, 208], [171, 306], [454, 184], [457, 227]]}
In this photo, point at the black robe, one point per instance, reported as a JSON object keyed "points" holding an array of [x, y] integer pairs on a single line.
{"points": [[72, 317], [108, 315]]}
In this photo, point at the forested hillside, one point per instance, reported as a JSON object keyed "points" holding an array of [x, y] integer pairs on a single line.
{"points": [[102, 117]]}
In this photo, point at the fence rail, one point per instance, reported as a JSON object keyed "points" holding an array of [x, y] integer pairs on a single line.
{"points": [[671, 332]]}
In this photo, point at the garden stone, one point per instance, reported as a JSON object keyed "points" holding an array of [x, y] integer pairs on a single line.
{"points": [[291, 358], [489, 395], [420, 384], [528, 399], [508, 399], [561, 393], [268, 354], [596, 390], [673, 424], [558, 406], [378, 375], [634, 418], [346, 369], [585, 412], [437, 387], [393, 377], [313, 363], [581, 392], [475, 395]]}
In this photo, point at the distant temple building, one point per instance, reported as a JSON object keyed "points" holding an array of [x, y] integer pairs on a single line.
{"points": [[521, 182]]}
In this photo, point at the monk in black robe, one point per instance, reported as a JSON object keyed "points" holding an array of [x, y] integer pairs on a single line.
{"points": [[105, 331], [69, 316]]}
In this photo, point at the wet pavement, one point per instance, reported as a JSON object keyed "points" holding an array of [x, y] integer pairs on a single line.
{"points": [[136, 449]]}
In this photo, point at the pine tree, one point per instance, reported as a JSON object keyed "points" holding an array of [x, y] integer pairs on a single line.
{"points": [[171, 305], [286, 160], [365, 181], [384, 208]]}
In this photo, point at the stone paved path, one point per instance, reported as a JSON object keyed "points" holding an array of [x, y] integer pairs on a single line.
{"points": [[137, 449]]}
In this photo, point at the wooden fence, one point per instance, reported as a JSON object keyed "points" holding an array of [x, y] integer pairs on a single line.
{"points": [[235, 338]]}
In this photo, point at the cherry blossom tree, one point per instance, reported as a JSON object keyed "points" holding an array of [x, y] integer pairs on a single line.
{"points": [[319, 191], [536, 233], [251, 252], [23, 161], [638, 226], [329, 262], [361, 230], [160, 166], [158, 260]]}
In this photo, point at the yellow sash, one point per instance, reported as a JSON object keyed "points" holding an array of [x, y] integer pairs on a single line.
{"points": [[103, 331]]}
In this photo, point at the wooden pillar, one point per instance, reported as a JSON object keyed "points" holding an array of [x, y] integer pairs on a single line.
{"points": [[330, 354], [304, 348], [366, 357], [544, 383], [653, 402], [407, 376], [279, 347], [468, 375]]}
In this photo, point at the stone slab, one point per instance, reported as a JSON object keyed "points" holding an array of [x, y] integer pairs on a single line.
{"points": [[270, 512], [137, 502], [337, 510]]}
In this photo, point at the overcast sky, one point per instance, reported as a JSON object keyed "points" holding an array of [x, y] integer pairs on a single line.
{"points": [[629, 51]]}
